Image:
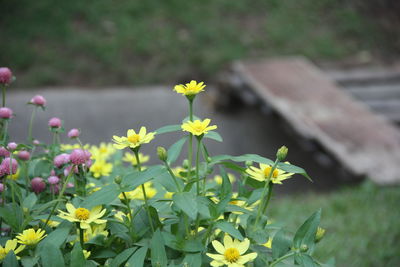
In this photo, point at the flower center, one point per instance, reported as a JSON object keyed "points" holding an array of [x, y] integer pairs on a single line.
{"points": [[267, 170], [232, 255], [82, 214], [134, 138], [103, 150]]}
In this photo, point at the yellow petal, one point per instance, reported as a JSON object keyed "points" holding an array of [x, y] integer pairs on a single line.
{"points": [[218, 247]]}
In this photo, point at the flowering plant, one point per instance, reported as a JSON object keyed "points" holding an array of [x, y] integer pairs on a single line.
{"points": [[87, 205]]}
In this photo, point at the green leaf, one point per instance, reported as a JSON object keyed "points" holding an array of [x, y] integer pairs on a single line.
{"points": [[158, 254], [293, 169], [280, 244], [40, 168], [175, 150], [305, 260], [105, 195], [57, 237], [30, 201], [10, 260], [226, 187], [228, 228], [186, 201], [29, 261], [77, 257], [169, 129], [137, 259], [123, 256], [51, 256], [192, 260], [133, 180], [203, 205], [13, 216], [305, 235], [214, 136]]}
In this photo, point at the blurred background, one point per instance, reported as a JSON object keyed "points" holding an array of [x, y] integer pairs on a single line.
{"points": [[109, 65]]}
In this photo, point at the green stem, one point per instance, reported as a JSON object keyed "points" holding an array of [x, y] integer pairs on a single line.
{"points": [[11, 179], [5, 133], [81, 235], [60, 194], [146, 204], [178, 186], [266, 187], [197, 168], [4, 96], [190, 143], [31, 125], [268, 197], [281, 259]]}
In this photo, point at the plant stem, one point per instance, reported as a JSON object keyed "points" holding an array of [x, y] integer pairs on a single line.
{"points": [[5, 132], [31, 125], [266, 187], [4, 96], [281, 259], [190, 143], [178, 186], [128, 206], [136, 151], [197, 168], [81, 235], [59, 195]]}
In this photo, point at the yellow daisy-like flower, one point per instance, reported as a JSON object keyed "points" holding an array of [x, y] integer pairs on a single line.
{"points": [[137, 193], [130, 157], [177, 171], [168, 195], [120, 216], [241, 203], [101, 168], [51, 223], [261, 174], [66, 147], [31, 237], [133, 139], [102, 152], [82, 215], [190, 89], [11, 245], [15, 176], [198, 127], [94, 231], [218, 178], [231, 253]]}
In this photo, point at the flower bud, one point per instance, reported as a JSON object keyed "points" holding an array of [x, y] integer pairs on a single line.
{"points": [[282, 153], [185, 164], [24, 155], [6, 113], [73, 133], [162, 153], [53, 180], [38, 185], [4, 152], [36, 142], [5, 166], [303, 248], [5, 75], [54, 122], [12, 146], [38, 100], [118, 179], [78, 156], [60, 160], [320, 234]]}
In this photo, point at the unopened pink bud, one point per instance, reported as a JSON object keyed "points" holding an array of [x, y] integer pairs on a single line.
{"points": [[5, 165], [6, 113], [4, 152], [60, 160], [73, 133], [36, 142], [24, 155], [5, 75], [55, 122], [53, 180], [38, 100], [12, 146], [70, 185], [38, 185]]}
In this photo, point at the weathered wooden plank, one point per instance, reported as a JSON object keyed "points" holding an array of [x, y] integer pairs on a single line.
{"points": [[364, 143]]}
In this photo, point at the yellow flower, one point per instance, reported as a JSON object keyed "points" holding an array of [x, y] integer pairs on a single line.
{"points": [[190, 89], [168, 195], [15, 176], [218, 178], [120, 216], [261, 174], [11, 245], [102, 152], [241, 203], [177, 171], [231, 253], [268, 244], [137, 193], [82, 215], [92, 187], [320, 234], [86, 254], [66, 147], [133, 139], [130, 157], [31, 237], [101, 168], [198, 127], [51, 223], [94, 231]]}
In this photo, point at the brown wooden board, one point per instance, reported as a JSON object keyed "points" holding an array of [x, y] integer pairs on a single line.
{"points": [[363, 142]]}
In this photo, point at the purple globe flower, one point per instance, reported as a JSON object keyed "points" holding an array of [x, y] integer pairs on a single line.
{"points": [[53, 180], [5, 165], [55, 122], [38, 185], [6, 113], [24, 155], [5, 75], [73, 133], [38, 100]]}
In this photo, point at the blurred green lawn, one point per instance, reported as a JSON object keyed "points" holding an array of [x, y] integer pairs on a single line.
{"points": [[362, 223], [130, 42]]}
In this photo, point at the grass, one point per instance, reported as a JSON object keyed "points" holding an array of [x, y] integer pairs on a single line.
{"points": [[362, 223], [101, 42]]}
